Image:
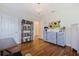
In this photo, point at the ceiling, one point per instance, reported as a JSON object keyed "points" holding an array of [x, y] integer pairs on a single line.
{"points": [[28, 9]]}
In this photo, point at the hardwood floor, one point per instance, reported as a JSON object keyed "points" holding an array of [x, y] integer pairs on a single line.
{"points": [[39, 47]]}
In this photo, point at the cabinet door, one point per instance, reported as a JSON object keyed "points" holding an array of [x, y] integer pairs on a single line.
{"points": [[60, 38], [51, 36]]}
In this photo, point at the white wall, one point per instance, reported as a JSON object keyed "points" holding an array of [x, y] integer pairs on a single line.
{"points": [[67, 13]]}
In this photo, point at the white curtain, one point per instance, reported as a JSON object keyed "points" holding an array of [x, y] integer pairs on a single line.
{"points": [[9, 27]]}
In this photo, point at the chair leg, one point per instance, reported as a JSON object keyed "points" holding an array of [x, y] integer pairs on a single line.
{"points": [[1, 53]]}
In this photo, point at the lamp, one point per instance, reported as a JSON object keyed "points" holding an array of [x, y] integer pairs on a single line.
{"points": [[45, 28]]}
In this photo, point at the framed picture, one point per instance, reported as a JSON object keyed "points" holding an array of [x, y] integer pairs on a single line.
{"points": [[54, 24]]}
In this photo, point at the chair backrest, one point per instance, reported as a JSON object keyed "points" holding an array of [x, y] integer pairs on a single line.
{"points": [[7, 43]]}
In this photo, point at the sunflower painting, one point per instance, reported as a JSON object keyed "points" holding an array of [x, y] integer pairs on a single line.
{"points": [[54, 24]]}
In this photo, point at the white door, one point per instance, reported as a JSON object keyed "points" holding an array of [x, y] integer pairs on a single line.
{"points": [[74, 36], [36, 29]]}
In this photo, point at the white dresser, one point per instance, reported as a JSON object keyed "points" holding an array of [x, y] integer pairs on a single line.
{"points": [[54, 37]]}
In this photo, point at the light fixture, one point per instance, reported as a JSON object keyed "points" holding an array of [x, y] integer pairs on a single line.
{"points": [[38, 8]]}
